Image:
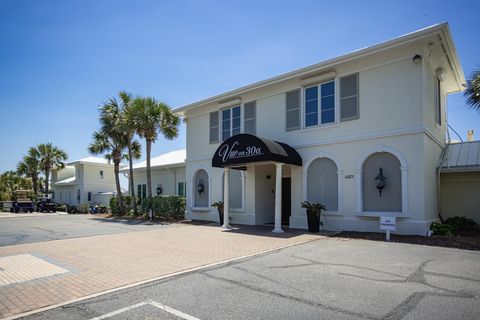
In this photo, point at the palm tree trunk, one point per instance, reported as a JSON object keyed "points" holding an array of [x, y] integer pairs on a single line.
{"points": [[130, 178], [34, 184], [116, 166], [47, 177], [149, 174]]}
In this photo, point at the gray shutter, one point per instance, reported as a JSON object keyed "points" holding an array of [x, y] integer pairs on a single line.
{"points": [[214, 127], [293, 110], [249, 115], [349, 97]]}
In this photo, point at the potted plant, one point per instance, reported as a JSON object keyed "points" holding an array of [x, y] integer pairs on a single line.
{"points": [[313, 215], [219, 206]]}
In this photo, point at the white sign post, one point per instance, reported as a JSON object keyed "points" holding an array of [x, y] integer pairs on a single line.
{"points": [[388, 224]]}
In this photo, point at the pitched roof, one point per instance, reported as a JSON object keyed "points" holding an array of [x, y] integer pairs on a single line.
{"points": [[70, 180], [464, 156], [173, 158], [92, 160]]}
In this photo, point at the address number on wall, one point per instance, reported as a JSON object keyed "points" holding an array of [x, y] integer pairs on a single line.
{"points": [[349, 176]]}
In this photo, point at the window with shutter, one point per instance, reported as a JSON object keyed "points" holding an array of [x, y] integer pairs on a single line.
{"points": [[230, 122], [320, 104], [349, 97], [293, 110], [214, 127], [249, 118]]}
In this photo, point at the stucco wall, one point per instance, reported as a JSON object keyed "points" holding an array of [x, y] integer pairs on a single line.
{"points": [[396, 115], [460, 195], [168, 178]]}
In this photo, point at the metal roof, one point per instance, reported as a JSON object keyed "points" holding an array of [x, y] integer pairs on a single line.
{"points": [[170, 159], [464, 156]]}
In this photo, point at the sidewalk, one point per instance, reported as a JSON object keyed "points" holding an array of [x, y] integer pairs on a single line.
{"points": [[33, 214], [36, 275]]}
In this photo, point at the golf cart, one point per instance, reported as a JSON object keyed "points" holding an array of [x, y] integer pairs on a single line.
{"points": [[21, 202], [46, 204]]}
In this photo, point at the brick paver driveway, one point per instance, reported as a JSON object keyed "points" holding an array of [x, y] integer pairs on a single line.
{"points": [[37, 275]]}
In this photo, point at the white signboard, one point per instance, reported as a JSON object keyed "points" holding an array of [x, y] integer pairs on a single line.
{"points": [[388, 223]]}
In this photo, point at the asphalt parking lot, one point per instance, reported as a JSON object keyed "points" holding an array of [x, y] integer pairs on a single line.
{"points": [[29, 229], [328, 278]]}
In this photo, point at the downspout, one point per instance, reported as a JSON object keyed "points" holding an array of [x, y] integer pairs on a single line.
{"points": [[440, 163]]}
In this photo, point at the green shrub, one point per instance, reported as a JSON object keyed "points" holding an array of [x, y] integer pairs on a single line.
{"points": [[441, 229], [166, 207], [461, 224], [126, 203]]}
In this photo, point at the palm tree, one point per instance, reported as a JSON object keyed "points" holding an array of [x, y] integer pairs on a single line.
{"points": [[472, 94], [30, 167], [133, 147], [113, 138], [51, 157], [152, 117], [112, 146]]}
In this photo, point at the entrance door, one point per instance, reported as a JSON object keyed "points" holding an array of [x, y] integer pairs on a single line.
{"points": [[286, 200]]}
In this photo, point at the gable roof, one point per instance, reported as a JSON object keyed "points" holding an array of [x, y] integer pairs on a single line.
{"points": [[441, 29], [170, 159], [464, 156]]}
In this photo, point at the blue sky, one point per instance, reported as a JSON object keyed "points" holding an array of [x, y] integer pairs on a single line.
{"points": [[59, 60]]}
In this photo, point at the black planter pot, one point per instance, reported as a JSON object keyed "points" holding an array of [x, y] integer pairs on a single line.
{"points": [[220, 216], [313, 219]]}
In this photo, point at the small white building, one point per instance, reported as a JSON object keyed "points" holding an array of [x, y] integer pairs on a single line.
{"points": [[84, 181], [167, 172], [323, 133]]}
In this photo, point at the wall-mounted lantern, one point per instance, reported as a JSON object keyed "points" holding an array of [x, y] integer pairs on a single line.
{"points": [[159, 190], [380, 181], [200, 187]]}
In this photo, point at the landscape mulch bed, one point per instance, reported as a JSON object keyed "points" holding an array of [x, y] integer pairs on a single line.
{"points": [[465, 240]]}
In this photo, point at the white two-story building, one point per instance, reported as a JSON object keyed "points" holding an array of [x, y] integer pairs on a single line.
{"points": [[84, 181], [324, 133]]}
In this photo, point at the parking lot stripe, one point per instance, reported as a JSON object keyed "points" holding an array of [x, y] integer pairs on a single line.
{"points": [[114, 313], [175, 312]]}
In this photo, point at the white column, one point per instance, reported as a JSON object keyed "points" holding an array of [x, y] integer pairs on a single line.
{"points": [[226, 202], [278, 198]]}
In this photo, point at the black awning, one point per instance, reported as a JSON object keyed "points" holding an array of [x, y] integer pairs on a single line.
{"points": [[243, 149]]}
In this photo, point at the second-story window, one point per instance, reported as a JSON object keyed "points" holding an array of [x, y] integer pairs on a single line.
{"points": [[320, 104], [230, 122], [101, 175]]}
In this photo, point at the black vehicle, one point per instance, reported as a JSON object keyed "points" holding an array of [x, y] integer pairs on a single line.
{"points": [[46, 204]]}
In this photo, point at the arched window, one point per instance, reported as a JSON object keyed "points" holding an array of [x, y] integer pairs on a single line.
{"points": [[322, 183], [390, 199], [235, 191], [201, 189]]}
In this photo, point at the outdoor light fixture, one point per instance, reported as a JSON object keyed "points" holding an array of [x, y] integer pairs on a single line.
{"points": [[159, 190], [380, 181], [417, 59], [200, 186]]}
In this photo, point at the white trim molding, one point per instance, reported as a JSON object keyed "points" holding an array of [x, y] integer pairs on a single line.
{"points": [[359, 178], [331, 156]]}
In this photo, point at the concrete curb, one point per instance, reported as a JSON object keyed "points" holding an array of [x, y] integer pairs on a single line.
{"points": [[183, 272]]}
